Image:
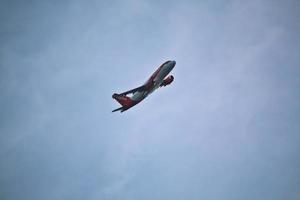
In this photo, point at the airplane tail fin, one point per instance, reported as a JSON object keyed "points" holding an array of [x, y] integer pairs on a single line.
{"points": [[125, 101]]}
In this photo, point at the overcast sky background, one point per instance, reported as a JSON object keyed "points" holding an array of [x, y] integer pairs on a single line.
{"points": [[228, 127]]}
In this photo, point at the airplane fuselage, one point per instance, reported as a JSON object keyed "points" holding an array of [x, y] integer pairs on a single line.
{"points": [[154, 81]]}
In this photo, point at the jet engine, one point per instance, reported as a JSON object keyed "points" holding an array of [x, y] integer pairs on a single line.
{"points": [[167, 81]]}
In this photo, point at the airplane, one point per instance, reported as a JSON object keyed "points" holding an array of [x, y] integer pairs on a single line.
{"points": [[158, 79]]}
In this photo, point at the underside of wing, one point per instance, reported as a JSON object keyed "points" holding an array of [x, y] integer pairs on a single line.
{"points": [[141, 88]]}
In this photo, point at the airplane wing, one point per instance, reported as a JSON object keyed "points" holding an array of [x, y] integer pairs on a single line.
{"points": [[141, 88]]}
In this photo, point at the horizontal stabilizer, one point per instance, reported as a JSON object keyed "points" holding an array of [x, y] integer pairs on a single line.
{"points": [[121, 108]]}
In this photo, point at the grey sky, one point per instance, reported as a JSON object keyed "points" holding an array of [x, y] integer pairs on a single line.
{"points": [[228, 127]]}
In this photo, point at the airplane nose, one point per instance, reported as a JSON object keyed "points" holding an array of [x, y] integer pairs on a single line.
{"points": [[173, 63]]}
